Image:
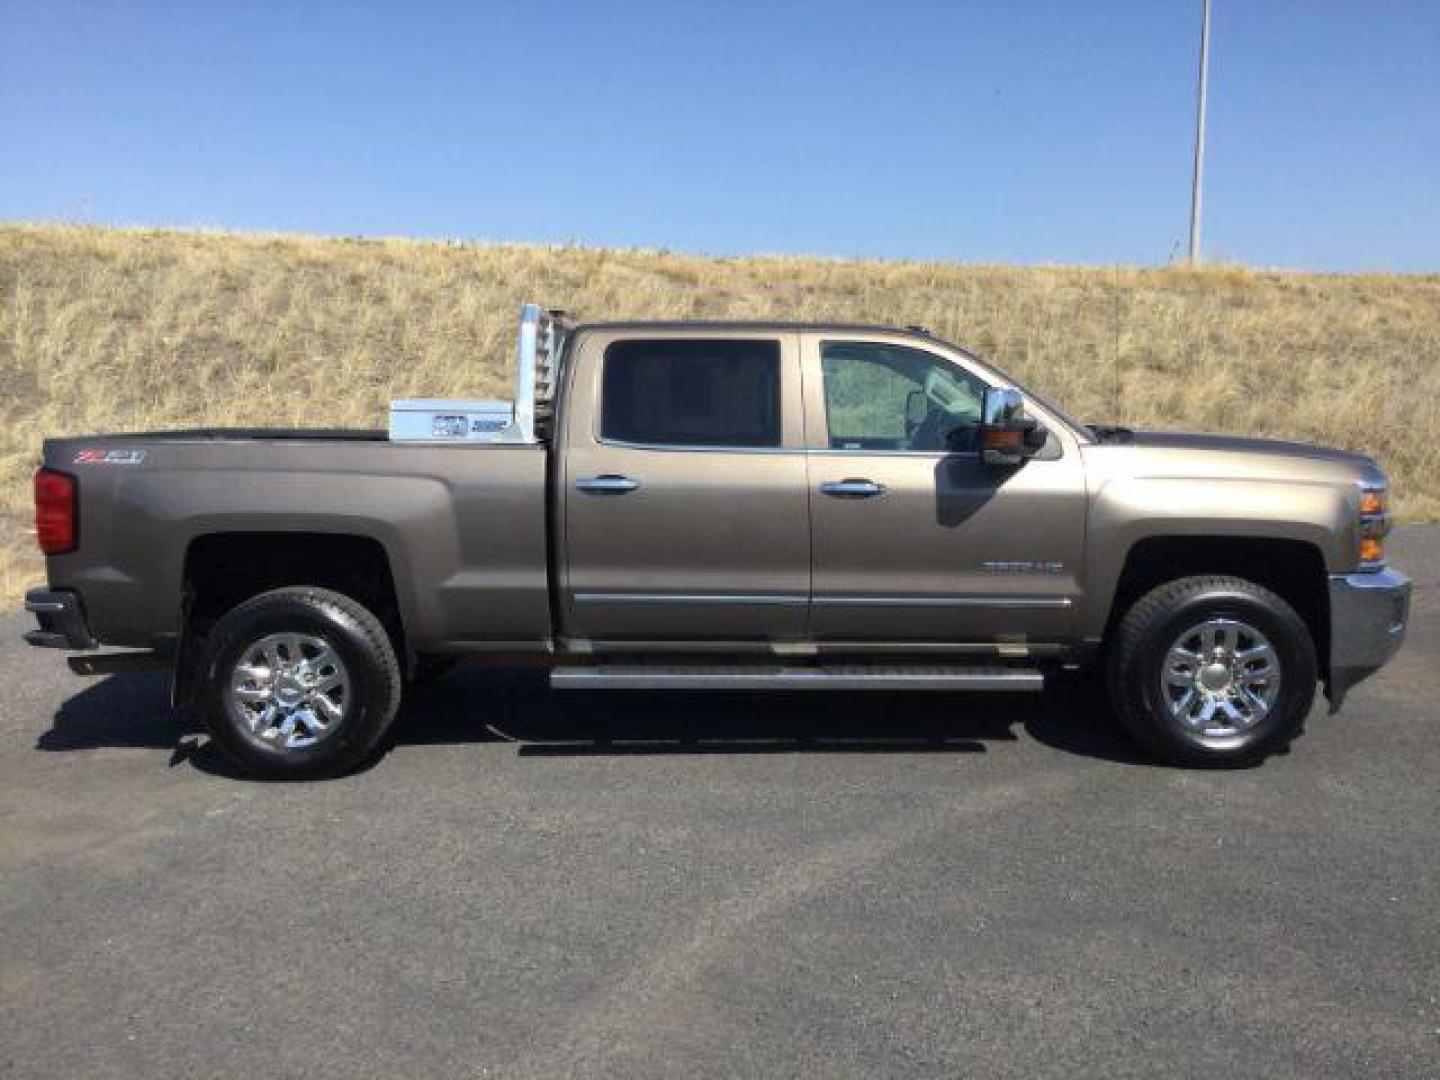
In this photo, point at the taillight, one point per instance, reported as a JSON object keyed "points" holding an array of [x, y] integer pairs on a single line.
{"points": [[55, 512]]}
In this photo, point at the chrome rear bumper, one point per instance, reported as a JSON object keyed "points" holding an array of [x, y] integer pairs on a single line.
{"points": [[1368, 616]]}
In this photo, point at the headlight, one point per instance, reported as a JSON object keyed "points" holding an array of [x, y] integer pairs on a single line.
{"points": [[1374, 525]]}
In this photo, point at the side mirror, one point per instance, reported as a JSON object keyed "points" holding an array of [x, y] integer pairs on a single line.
{"points": [[1007, 436]]}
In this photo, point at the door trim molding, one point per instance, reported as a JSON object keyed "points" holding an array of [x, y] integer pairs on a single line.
{"points": [[1003, 602], [1008, 602], [690, 598]]}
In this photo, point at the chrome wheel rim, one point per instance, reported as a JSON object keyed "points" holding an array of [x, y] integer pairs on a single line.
{"points": [[289, 690], [1221, 678]]}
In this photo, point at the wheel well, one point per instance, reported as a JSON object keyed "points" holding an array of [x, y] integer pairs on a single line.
{"points": [[1292, 569], [226, 569]]}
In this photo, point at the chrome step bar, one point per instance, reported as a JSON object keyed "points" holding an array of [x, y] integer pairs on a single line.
{"points": [[769, 677]]}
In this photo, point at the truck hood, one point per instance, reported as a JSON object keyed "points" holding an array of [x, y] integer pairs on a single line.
{"points": [[1242, 444], [1224, 453]]}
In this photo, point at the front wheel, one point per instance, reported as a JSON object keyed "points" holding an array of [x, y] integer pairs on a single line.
{"points": [[1214, 671], [298, 683]]}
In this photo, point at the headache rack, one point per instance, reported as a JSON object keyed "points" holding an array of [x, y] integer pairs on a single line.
{"points": [[529, 418]]}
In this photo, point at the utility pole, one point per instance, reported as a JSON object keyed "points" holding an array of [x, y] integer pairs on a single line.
{"points": [[1198, 178]]}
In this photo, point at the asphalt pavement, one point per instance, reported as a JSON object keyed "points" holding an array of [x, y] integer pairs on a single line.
{"points": [[532, 884]]}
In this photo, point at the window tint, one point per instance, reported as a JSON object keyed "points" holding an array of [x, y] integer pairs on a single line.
{"points": [[692, 393], [889, 397]]}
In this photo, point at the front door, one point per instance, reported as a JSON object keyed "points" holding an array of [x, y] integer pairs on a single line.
{"points": [[685, 510], [914, 538]]}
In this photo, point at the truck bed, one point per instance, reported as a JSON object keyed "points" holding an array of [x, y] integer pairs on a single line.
{"points": [[463, 528], [241, 433]]}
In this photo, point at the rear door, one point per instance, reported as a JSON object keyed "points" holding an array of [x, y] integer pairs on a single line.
{"points": [[914, 538], [685, 515]]}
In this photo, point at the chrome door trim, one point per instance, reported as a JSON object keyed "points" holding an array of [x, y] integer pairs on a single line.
{"points": [[689, 598], [1006, 602], [807, 451], [853, 488], [808, 647], [607, 484], [707, 448], [840, 451]]}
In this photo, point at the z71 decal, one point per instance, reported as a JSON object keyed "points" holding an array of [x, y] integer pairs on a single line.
{"points": [[109, 457]]}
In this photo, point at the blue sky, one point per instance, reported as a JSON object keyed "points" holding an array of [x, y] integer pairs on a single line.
{"points": [[992, 131]]}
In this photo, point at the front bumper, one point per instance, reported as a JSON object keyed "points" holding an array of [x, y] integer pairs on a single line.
{"points": [[61, 618], [1368, 616]]}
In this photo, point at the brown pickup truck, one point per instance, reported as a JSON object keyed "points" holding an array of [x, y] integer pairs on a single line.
{"points": [[701, 506]]}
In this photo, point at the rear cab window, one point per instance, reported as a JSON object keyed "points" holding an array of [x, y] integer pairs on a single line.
{"points": [[688, 392]]}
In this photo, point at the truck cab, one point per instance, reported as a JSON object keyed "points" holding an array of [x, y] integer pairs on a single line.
{"points": [[805, 489]]}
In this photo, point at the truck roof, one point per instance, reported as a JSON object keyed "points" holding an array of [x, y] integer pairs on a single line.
{"points": [[777, 325]]}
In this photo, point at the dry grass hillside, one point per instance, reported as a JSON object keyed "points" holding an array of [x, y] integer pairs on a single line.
{"points": [[105, 329]]}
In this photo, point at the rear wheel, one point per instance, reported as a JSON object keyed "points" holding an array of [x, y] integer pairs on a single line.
{"points": [[298, 683], [1212, 671]]}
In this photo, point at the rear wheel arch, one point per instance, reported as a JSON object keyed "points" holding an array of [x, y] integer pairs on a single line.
{"points": [[225, 569]]}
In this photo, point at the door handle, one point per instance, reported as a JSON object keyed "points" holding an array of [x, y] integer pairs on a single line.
{"points": [[608, 484], [853, 488]]}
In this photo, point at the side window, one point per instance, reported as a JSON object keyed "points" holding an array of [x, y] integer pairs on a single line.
{"points": [[889, 397], [689, 392]]}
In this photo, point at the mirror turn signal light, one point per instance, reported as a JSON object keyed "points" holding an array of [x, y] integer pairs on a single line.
{"points": [[1004, 439]]}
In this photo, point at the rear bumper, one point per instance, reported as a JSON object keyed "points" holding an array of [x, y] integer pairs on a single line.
{"points": [[1368, 617], [61, 618]]}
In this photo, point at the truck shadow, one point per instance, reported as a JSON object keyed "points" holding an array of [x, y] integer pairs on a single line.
{"points": [[474, 706]]}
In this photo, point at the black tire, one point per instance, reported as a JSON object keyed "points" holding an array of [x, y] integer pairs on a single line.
{"points": [[356, 636], [1138, 654]]}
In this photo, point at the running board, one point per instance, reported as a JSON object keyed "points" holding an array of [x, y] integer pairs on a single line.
{"points": [[828, 677]]}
